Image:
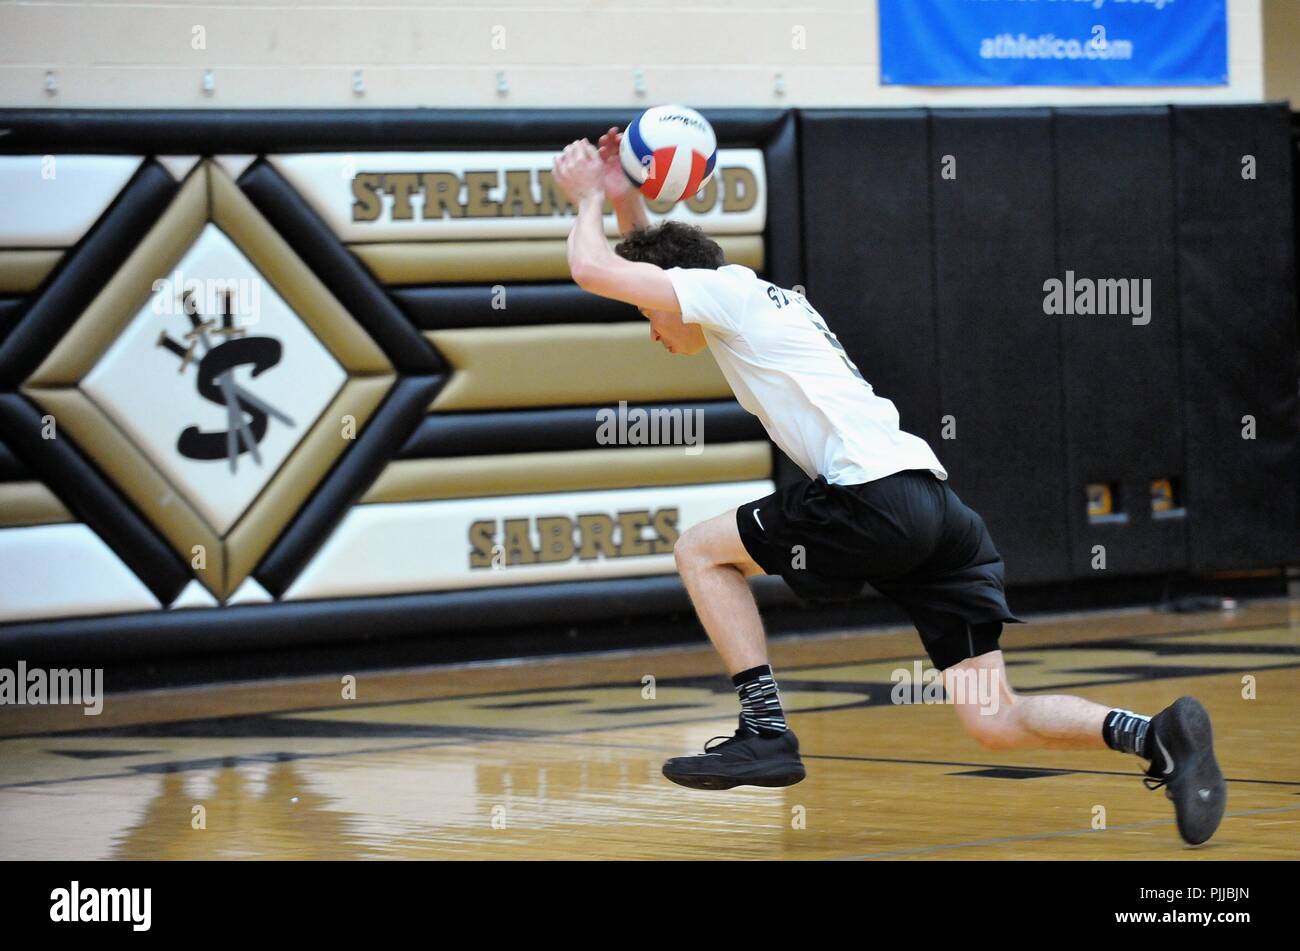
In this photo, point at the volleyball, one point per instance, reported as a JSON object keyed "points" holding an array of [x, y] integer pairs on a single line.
{"points": [[669, 152]]}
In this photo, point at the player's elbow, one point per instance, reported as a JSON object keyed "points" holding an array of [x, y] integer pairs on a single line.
{"points": [[580, 272], [586, 275]]}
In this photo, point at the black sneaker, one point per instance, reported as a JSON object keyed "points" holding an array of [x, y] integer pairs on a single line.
{"points": [[745, 759], [1184, 763]]}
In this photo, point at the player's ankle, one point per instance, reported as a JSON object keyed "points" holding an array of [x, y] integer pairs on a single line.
{"points": [[1127, 732]]}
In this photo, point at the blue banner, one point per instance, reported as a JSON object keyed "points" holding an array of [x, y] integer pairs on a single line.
{"points": [[1053, 42]]}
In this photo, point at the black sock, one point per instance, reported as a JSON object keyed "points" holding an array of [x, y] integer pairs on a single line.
{"points": [[760, 703], [1128, 732]]}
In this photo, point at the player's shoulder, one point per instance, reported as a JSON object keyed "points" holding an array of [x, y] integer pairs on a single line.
{"points": [[736, 272], [735, 280], [732, 287], [741, 277], [739, 272]]}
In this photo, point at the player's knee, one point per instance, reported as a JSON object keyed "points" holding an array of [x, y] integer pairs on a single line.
{"points": [[991, 726], [690, 551], [987, 732]]}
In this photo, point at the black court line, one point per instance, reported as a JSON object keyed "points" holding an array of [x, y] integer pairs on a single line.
{"points": [[1014, 772], [558, 739], [1134, 773], [103, 754], [530, 704]]}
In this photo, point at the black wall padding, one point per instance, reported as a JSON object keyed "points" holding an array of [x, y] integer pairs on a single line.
{"points": [[248, 628], [345, 276], [783, 255], [555, 430], [12, 468], [185, 131], [11, 309], [1236, 256], [1123, 393], [869, 252], [91, 499], [999, 355], [84, 270], [451, 306], [401, 411], [346, 620]]}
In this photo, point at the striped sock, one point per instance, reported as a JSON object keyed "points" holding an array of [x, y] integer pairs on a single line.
{"points": [[1127, 732], [760, 702]]}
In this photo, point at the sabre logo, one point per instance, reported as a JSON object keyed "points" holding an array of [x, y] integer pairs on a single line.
{"points": [[103, 904], [247, 416], [558, 538]]}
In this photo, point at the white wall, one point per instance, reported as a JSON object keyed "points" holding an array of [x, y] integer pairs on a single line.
{"points": [[265, 53]]}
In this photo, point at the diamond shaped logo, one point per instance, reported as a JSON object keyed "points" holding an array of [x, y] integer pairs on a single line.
{"points": [[215, 379]]}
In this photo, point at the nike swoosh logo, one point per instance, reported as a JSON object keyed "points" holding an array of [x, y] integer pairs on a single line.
{"points": [[1169, 761], [759, 520]]}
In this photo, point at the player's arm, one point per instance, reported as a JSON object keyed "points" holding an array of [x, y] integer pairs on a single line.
{"points": [[626, 199], [630, 211], [597, 269], [592, 262]]}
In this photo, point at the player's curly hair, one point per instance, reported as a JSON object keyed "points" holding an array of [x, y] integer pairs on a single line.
{"points": [[672, 244]]}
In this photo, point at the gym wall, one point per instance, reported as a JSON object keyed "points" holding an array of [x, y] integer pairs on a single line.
{"points": [[330, 54], [424, 456]]}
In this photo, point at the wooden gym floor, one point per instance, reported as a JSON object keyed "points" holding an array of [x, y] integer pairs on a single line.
{"points": [[559, 759]]}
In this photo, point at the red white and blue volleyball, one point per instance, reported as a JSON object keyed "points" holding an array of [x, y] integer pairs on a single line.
{"points": [[669, 152]]}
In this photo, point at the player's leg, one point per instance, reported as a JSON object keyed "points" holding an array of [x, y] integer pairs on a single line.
{"points": [[764, 751], [1177, 743], [713, 564], [1001, 719]]}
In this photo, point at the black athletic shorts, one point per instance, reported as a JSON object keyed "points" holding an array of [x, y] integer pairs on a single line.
{"points": [[907, 535]]}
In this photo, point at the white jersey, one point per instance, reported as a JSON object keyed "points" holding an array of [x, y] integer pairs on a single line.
{"points": [[788, 369]]}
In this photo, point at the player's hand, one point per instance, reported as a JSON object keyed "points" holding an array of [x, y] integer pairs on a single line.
{"points": [[579, 171], [616, 182]]}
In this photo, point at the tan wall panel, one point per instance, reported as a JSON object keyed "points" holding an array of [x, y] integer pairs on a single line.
{"points": [[23, 269], [415, 480], [568, 365], [1282, 50], [493, 262], [30, 503]]}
